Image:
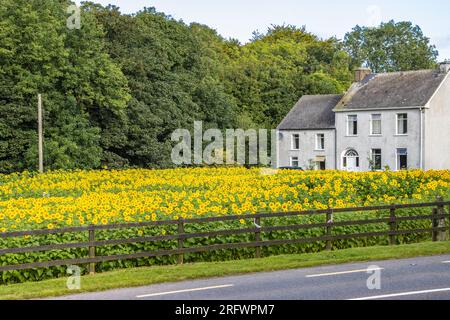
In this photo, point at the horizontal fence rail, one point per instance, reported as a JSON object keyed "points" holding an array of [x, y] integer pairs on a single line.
{"points": [[438, 220]]}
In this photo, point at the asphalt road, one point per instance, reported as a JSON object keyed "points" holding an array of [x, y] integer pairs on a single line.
{"points": [[426, 278]]}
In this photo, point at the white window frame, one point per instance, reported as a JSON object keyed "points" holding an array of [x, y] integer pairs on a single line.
{"points": [[292, 162], [348, 125], [397, 162], [373, 159], [371, 124], [319, 140], [293, 147], [397, 127]]}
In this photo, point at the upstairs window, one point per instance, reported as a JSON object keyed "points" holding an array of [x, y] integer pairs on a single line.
{"points": [[295, 142], [402, 123], [320, 141], [352, 125], [375, 124]]}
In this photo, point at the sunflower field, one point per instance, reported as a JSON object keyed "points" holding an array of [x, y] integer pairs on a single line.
{"points": [[30, 201]]}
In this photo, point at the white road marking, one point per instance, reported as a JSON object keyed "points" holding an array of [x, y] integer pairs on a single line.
{"points": [[186, 290], [342, 272], [411, 293], [445, 261]]}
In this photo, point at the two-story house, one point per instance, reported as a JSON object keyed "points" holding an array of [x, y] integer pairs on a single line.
{"points": [[398, 120]]}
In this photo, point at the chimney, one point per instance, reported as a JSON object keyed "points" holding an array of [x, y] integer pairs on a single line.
{"points": [[361, 73], [444, 67]]}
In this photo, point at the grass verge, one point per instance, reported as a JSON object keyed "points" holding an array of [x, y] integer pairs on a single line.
{"points": [[159, 274]]}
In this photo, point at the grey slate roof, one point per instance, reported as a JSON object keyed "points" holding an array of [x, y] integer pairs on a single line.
{"points": [[312, 113], [392, 90]]}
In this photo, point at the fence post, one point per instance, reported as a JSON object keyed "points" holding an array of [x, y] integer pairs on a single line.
{"points": [[180, 240], [392, 227], [258, 236], [449, 221], [442, 235], [91, 249], [434, 224], [329, 246]]}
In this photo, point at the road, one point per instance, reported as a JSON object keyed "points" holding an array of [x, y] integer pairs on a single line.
{"points": [[425, 278]]}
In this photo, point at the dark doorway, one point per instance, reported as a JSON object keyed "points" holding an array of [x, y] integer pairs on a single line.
{"points": [[402, 159], [322, 165]]}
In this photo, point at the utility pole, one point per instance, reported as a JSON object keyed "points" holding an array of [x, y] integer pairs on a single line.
{"points": [[41, 135]]}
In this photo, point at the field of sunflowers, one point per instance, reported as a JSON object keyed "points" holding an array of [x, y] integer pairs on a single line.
{"points": [[61, 199]]}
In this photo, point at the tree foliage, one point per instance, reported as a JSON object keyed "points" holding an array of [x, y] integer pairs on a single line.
{"points": [[391, 47], [83, 90]]}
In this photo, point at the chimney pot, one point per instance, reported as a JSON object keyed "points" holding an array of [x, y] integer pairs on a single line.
{"points": [[361, 73]]}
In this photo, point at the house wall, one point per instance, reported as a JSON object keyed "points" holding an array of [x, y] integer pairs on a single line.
{"points": [[437, 129], [307, 148], [388, 142]]}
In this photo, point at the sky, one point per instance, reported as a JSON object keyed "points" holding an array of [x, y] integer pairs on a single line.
{"points": [[326, 18]]}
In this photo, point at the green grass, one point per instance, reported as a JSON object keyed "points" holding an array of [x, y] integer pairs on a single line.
{"points": [[159, 274]]}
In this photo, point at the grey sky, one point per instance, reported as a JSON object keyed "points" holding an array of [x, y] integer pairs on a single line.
{"points": [[239, 18]]}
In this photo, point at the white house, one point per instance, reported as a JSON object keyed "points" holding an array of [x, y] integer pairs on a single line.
{"points": [[398, 120]]}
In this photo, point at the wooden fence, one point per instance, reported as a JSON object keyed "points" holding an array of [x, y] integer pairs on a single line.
{"points": [[438, 227]]}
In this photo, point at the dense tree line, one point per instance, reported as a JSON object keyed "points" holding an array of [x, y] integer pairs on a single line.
{"points": [[115, 89]]}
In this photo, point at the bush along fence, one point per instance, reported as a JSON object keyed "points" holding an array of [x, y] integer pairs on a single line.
{"points": [[96, 250]]}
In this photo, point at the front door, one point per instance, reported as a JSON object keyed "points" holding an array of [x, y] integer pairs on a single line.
{"points": [[352, 164], [351, 160]]}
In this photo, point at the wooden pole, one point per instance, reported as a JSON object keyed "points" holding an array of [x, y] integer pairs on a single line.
{"points": [[442, 234], [392, 227], [258, 236], [91, 250], [329, 246], [435, 224], [41, 135], [180, 240]]}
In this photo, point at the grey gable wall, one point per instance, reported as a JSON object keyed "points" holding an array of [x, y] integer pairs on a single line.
{"points": [[437, 129]]}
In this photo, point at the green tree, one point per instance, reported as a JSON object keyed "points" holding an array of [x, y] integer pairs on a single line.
{"points": [[39, 54], [390, 47], [275, 69], [174, 77]]}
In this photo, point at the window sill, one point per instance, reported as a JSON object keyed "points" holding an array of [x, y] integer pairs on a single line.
{"points": [[375, 135], [348, 136], [319, 150], [401, 135]]}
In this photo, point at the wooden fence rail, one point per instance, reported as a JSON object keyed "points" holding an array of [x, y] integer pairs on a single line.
{"points": [[438, 227]]}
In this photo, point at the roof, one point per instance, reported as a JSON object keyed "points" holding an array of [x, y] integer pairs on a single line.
{"points": [[392, 90], [312, 113]]}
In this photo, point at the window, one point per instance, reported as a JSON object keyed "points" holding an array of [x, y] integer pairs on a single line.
{"points": [[320, 141], [294, 162], [402, 159], [295, 142], [376, 159], [402, 123], [352, 125], [375, 124], [351, 160]]}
